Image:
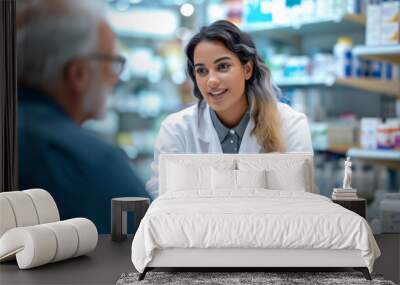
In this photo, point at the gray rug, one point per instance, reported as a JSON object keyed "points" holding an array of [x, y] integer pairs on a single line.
{"points": [[242, 278]]}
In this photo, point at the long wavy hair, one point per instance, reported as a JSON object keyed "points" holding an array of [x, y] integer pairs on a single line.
{"points": [[259, 88]]}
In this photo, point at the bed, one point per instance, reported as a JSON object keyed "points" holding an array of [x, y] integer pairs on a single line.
{"points": [[246, 211]]}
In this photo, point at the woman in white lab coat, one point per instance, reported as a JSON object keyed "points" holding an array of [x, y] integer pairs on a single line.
{"points": [[237, 111]]}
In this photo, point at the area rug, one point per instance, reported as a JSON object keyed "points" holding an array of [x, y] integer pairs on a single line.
{"points": [[243, 278]]}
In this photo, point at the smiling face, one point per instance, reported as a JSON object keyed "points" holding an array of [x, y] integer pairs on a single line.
{"points": [[221, 77]]}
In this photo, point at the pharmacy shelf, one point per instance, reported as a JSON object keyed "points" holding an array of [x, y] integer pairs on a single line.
{"points": [[306, 81], [339, 149], [355, 18], [386, 158], [385, 87], [348, 23], [379, 154], [390, 53]]}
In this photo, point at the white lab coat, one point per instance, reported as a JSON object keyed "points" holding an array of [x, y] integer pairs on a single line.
{"points": [[192, 131]]}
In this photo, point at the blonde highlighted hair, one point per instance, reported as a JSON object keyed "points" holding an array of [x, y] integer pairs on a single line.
{"points": [[259, 88]]}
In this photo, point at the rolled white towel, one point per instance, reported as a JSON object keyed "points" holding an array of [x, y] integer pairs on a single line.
{"points": [[40, 244]]}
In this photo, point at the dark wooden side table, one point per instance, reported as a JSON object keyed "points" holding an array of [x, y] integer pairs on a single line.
{"points": [[358, 206], [119, 209]]}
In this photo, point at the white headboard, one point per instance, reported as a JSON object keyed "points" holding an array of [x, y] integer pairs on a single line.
{"points": [[275, 160]]}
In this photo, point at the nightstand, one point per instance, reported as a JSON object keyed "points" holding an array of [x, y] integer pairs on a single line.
{"points": [[358, 206], [119, 209]]}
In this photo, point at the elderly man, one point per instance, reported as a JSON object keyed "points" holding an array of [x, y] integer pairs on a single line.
{"points": [[67, 67]]}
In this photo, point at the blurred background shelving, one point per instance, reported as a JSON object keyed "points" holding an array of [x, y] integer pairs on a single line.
{"points": [[301, 27], [389, 155], [389, 53], [328, 58], [386, 87]]}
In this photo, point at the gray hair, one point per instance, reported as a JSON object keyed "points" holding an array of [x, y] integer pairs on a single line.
{"points": [[53, 35]]}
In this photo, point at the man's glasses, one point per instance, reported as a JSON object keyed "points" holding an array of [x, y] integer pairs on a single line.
{"points": [[117, 61]]}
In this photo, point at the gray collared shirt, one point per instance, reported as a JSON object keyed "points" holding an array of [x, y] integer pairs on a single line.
{"points": [[230, 139]]}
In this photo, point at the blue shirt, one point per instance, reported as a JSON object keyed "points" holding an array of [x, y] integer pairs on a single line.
{"points": [[81, 172]]}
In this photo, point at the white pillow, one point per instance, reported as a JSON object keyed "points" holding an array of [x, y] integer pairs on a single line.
{"points": [[187, 177], [293, 180], [251, 179], [281, 174], [227, 179], [223, 179]]}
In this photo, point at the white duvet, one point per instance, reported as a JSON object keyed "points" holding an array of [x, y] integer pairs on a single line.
{"points": [[253, 218]]}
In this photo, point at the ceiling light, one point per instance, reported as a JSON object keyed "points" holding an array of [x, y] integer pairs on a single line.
{"points": [[187, 10]]}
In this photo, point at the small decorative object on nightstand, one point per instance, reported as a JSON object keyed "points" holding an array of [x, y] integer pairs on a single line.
{"points": [[347, 196], [358, 205], [119, 207], [346, 192]]}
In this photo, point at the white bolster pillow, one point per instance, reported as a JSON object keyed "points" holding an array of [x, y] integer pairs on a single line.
{"points": [[40, 244]]}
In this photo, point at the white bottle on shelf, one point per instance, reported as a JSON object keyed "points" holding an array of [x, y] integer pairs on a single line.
{"points": [[343, 57]]}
